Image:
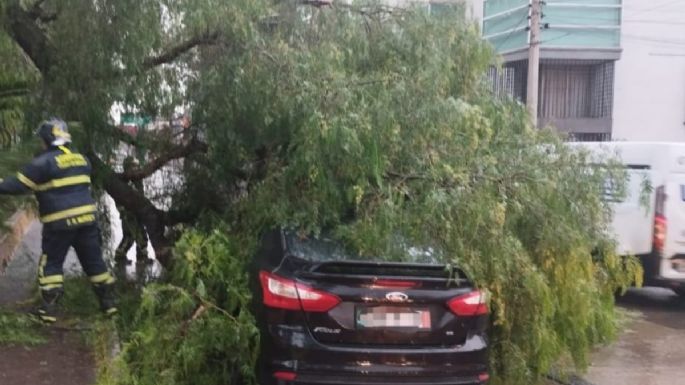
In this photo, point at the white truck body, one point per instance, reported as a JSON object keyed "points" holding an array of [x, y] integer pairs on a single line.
{"points": [[661, 166]]}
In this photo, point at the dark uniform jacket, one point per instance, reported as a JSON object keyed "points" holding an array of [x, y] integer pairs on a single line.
{"points": [[60, 180]]}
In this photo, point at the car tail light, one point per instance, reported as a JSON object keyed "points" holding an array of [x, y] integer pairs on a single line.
{"points": [[287, 294], [474, 303], [285, 376], [659, 239], [483, 378]]}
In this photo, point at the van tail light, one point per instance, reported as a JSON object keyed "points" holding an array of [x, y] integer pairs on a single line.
{"points": [[471, 304], [282, 293], [659, 240]]}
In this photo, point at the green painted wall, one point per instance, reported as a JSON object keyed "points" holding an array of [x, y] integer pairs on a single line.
{"points": [[501, 24], [510, 42], [571, 24], [588, 2], [580, 38], [506, 32], [496, 6]]}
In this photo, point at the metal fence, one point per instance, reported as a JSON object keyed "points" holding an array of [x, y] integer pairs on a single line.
{"points": [[570, 90], [588, 137]]}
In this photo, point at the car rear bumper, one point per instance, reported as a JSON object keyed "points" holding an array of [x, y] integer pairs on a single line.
{"points": [[329, 380], [292, 349]]}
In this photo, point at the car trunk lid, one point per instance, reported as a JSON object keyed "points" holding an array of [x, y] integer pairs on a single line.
{"points": [[387, 304]]}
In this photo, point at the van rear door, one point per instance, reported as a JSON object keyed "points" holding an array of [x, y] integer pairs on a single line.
{"points": [[632, 222], [673, 263]]}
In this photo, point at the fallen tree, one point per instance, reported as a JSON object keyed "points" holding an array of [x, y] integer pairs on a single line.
{"points": [[366, 121]]}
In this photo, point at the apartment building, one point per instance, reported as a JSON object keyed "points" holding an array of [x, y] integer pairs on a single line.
{"points": [[609, 69]]}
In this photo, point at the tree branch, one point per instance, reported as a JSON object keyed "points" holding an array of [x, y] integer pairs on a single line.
{"points": [[47, 17], [37, 5], [28, 35], [36, 12], [135, 202], [194, 146], [172, 53]]}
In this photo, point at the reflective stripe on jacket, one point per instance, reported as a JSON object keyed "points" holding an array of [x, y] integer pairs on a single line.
{"points": [[61, 182]]}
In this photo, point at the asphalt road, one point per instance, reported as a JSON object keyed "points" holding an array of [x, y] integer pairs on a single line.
{"points": [[651, 350]]}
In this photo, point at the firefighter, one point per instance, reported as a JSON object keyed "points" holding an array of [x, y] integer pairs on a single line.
{"points": [[60, 180], [131, 227]]}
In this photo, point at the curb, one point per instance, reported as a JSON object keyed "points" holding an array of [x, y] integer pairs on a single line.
{"points": [[18, 224], [572, 380]]}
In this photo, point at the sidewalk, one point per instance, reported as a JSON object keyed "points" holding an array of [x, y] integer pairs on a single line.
{"points": [[651, 350], [65, 359]]}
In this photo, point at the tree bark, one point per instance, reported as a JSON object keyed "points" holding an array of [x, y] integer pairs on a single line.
{"points": [[177, 152], [172, 53], [24, 27], [135, 202], [28, 35]]}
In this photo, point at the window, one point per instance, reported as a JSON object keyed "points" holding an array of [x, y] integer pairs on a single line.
{"points": [[444, 8]]}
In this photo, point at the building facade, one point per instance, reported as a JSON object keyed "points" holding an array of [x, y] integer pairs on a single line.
{"points": [[474, 8], [609, 69], [649, 98]]}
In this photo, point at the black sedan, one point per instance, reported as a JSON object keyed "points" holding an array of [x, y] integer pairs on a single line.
{"points": [[328, 318]]}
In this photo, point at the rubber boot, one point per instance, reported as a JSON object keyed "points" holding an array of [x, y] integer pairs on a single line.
{"points": [[47, 311], [105, 294]]}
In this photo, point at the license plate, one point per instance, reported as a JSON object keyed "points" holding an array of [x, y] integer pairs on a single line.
{"points": [[392, 317]]}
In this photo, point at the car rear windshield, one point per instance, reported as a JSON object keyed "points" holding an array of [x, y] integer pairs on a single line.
{"points": [[326, 249]]}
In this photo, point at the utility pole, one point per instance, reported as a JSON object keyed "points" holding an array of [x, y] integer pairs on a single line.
{"points": [[534, 60]]}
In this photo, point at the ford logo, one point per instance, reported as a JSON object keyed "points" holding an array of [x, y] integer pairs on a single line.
{"points": [[396, 296]]}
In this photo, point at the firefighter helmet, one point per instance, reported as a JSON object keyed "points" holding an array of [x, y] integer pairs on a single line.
{"points": [[54, 132]]}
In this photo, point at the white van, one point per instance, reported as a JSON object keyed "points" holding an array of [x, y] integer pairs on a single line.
{"points": [[655, 233]]}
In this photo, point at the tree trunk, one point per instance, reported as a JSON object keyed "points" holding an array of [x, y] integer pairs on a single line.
{"points": [[135, 202]]}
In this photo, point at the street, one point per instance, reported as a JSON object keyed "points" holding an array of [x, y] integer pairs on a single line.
{"points": [[650, 350]]}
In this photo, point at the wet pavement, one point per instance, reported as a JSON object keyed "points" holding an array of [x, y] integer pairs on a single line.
{"points": [[65, 359], [651, 350], [19, 280]]}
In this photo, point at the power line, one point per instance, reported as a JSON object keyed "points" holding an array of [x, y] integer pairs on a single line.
{"points": [[666, 22], [631, 37], [626, 36], [510, 34], [654, 39], [617, 20], [667, 54], [660, 6], [649, 39]]}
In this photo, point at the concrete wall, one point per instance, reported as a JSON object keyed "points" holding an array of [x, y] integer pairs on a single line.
{"points": [[476, 9], [649, 101]]}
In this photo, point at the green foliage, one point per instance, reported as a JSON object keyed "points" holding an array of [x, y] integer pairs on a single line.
{"points": [[79, 301], [21, 329], [195, 329], [16, 82], [10, 162], [375, 122], [364, 120]]}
